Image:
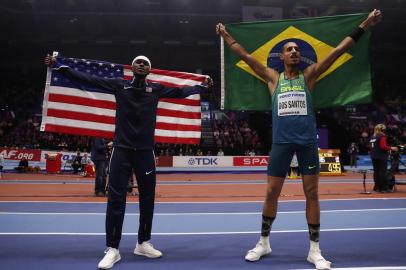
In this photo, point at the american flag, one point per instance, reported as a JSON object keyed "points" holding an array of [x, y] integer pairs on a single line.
{"points": [[73, 108]]}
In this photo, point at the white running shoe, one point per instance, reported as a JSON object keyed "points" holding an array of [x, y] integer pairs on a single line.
{"points": [[256, 253], [147, 249], [315, 258], [112, 256]]}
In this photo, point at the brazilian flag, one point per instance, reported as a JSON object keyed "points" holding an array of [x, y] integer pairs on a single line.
{"points": [[347, 81]]}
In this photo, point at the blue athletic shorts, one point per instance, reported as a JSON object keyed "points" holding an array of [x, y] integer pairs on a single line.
{"points": [[281, 156]]}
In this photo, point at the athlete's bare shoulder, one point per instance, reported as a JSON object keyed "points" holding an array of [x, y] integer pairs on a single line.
{"points": [[273, 82]]}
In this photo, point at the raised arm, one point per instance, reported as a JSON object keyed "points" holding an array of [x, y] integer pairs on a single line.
{"points": [[110, 85], [182, 92], [314, 71], [270, 76]]}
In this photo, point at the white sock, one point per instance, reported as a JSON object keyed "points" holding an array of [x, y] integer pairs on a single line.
{"points": [[264, 240], [314, 245]]}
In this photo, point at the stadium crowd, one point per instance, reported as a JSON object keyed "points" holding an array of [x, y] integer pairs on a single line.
{"points": [[20, 120]]}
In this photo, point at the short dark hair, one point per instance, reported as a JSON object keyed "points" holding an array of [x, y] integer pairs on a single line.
{"points": [[286, 42]]}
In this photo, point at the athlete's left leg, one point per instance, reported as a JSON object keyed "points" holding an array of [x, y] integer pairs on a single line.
{"points": [[145, 171], [309, 165]]}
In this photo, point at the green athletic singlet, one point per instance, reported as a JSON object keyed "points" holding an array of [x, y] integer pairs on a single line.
{"points": [[293, 119]]}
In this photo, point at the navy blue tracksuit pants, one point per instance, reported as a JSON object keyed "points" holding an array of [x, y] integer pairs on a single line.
{"points": [[123, 161]]}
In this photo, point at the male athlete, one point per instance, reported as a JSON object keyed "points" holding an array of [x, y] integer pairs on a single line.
{"points": [[294, 131], [136, 106]]}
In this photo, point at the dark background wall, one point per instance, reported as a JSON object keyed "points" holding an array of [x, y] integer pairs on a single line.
{"points": [[175, 34]]}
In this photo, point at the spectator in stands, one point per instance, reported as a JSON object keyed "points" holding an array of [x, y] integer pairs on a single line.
{"points": [[76, 163], [249, 152], [220, 152], [99, 158], [294, 132], [84, 162], [379, 157], [190, 152], [22, 165], [353, 152], [167, 152]]}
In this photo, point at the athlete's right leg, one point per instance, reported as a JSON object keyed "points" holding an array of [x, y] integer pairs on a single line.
{"points": [[269, 210], [273, 191], [120, 169], [279, 163]]}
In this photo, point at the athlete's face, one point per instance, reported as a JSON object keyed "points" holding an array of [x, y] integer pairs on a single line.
{"points": [[141, 67], [290, 54]]}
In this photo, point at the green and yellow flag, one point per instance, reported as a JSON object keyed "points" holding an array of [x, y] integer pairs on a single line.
{"points": [[347, 81]]}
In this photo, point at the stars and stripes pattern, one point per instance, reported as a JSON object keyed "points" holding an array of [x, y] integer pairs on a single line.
{"points": [[70, 107]]}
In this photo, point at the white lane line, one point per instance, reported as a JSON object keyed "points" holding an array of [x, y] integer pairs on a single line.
{"points": [[367, 268], [203, 233], [176, 183], [206, 214], [202, 202]]}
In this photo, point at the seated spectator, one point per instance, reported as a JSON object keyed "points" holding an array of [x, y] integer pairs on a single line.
{"points": [[190, 152], [76, 163], [22, 166], [220, 152], [85, 160], [199, 152]]}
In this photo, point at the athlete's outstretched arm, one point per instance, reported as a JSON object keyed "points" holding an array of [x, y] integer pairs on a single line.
{"points": [[109, 84], [268, 74], [182, 92], [315, 70]]}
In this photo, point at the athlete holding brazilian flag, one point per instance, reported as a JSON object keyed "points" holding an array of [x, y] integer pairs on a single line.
{"points": [[294, 131]]}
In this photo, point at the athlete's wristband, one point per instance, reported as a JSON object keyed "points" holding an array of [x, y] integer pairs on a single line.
{"points": [[357, 33]]}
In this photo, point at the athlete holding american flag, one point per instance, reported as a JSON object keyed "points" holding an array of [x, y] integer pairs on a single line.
{"points": [[136, 107]]}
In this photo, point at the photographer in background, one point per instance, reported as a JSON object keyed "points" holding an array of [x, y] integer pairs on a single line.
{"points": [[99, 158], [394, 157], [353, 152], [379, 156], [395, 138]]}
